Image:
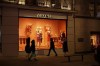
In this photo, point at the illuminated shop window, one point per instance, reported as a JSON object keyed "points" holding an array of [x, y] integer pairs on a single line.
{"points": [[93, 40], [41, 30]]}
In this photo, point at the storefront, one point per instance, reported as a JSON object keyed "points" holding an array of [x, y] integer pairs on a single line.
{"points": [[21, 21], [17, 20], [43, 25]]}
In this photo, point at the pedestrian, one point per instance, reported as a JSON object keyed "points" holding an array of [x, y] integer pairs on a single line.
{"points": [[62, 36], [64, 46], [97, 54], [27, 47], [52, 47], [32, 48]]}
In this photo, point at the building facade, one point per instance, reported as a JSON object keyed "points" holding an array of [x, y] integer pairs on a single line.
{"points": [[15, 18]]}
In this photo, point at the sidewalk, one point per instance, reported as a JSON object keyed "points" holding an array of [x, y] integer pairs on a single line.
{"points": [[48, 61]]}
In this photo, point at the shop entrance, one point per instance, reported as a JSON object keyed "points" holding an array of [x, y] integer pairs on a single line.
{"points": [[95, 40], [41, 30]]}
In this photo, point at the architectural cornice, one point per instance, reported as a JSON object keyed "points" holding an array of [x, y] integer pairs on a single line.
{"points": [[37, 8]]}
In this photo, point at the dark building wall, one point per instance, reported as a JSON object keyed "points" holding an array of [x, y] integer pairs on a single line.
{"points": [[9, 31], [31, 2], [82, 8], [83, 28], [70, 35]]}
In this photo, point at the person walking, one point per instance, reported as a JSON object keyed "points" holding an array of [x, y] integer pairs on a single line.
{"points": [[27, 47], [52, 47], [65, 47], [32, 48], [97, 54]]}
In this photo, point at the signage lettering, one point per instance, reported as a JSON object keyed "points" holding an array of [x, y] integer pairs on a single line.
{"points": [[44, 15]]}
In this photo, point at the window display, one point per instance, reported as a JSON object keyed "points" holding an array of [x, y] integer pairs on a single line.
{"points": [[41, 30], [39, 36]]}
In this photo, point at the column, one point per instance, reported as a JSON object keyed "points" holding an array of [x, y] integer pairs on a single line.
{"points": [[10, 34]]}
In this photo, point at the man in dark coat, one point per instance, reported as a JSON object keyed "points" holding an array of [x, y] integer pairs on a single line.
{"points": [[97, 54], [52, 47]]}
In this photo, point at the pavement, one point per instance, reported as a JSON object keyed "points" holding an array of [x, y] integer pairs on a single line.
{"points": [[48, 61]]}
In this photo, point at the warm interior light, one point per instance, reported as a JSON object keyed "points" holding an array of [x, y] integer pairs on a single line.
{"points": [[43, 28]]}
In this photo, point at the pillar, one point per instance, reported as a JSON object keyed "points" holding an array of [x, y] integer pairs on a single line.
{"points": [[10, 30]]}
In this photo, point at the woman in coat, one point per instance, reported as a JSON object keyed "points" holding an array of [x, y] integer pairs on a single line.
{"points": [[27, 47], [65, 47], [32, 48]]}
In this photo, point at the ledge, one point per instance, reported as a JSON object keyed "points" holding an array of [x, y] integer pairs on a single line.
{"points": [[87, 17], [36, 8]]}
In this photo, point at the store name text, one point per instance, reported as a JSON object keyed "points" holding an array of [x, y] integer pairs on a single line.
{"points": [[44, 15]]}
